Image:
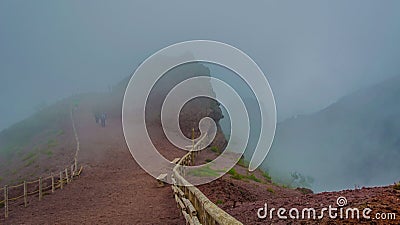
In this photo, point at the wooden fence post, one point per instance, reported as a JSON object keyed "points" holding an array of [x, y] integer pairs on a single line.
{"points": [[192, 138], [25, 194], [66, 175], [76, 164], [61, 180], [72, 172], [52, 183], [5, 201], [40, 188]]}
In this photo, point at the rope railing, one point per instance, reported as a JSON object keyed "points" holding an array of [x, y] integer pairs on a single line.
{"points": [[41, 185], [76, 139], [15, 186], [195, 206], [37, 186]]}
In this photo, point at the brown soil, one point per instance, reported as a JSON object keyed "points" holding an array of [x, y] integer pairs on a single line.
{"points": [[379, 199], [50, 151], [242, 198], [112, 189]]}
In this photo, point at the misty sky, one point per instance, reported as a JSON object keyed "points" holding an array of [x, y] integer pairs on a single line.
{"points": [[313, 52]]}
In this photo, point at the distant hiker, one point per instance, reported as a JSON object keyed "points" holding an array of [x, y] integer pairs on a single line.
{"points": [[103, 118], [97, 117]]}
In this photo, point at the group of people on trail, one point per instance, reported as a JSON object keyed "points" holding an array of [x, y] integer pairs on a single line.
{"points": [[101, 118]]}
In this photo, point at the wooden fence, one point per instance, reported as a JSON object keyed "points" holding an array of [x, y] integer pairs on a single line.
{"points": [[39, 187], [42, 186], [195, 206]]}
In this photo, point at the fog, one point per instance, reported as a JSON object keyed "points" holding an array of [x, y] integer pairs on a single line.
{"points": [[312, 52]]}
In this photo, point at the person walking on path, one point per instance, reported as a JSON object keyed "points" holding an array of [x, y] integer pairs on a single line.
{"points": [[97, 117], [103, 118]]}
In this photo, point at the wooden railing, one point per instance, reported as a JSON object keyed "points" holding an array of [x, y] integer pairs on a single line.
{"points": [[42, 186], [38, 187], [195, 206]]}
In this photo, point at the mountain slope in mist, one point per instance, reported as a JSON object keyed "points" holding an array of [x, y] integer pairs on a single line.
{"points": [[45, 141], [37, 145], [353, 142]]}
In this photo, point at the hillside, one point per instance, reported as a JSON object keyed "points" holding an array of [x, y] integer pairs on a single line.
{"points": [[353, 142], [39, 144], [351, 147], [112, 188]]}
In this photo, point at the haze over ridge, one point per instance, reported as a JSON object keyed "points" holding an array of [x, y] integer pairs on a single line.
{"points": [[312, 52]]}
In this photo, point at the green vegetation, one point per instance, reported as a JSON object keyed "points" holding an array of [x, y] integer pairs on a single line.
{"points": [[208, 160], [13, 172], [47, 152], [232, 171], [10, 150], [235, 175], [270, 190], [253, 178], [305, 191], [215, 149], [219, 202], [60, 132], [30, 162], [243, 163], [205, 171], [51, 143], [29, 156], [266, 176], [22, 134], [397, 186]]}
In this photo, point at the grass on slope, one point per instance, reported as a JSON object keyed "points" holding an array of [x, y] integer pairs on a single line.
{"points": [[19, 136], [205, 171]]}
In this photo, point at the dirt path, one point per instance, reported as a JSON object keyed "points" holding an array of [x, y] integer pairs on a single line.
{"points": [[113, 189]]}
